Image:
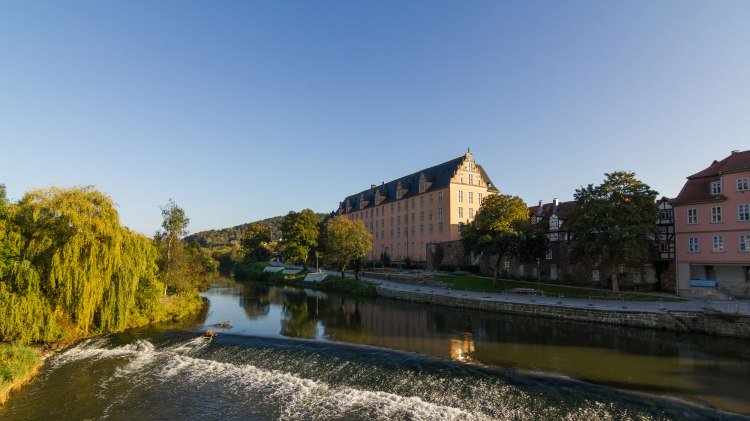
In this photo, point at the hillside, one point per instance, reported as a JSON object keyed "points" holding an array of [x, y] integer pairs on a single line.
{"points": [[228, 236]]}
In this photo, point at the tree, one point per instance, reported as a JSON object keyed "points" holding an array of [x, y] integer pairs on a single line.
{"points": [[497, 229], [75, 270], [614, 221], [347, 242], [299, 236], [183, 267], [255, 242]]}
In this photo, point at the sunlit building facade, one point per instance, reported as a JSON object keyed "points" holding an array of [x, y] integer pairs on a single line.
{"points": [[428, 206]]}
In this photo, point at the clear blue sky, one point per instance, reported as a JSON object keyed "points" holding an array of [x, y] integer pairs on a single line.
{"points": [[240, 110]]}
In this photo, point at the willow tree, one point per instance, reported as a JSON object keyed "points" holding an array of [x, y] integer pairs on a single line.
{"points": [[77, 270]]}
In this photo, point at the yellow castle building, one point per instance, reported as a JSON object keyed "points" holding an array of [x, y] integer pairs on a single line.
{"points": [[428, 206]]}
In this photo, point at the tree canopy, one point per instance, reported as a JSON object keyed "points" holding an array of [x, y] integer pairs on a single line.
{"points": [[346, 242], [74, 268], [501, 228], [256, 242], [300, 236], [614, 221]]}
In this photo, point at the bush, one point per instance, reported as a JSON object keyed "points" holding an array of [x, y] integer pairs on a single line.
{"points": [[447, 268], [470, 268]]}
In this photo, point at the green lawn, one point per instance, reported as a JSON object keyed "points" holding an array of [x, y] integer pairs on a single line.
{"points": [[17, 363], [477, 283]]}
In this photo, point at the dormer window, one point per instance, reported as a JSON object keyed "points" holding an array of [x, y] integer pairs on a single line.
{"points": [[554, 223], [348, 206], [378, 197], [715, 188], [423, 183]]}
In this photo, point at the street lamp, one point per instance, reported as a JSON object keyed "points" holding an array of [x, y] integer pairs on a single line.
{"points": [[317, 265]]}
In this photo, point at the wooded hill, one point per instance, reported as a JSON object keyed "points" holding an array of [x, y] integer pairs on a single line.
{"points": [[229, 236]]}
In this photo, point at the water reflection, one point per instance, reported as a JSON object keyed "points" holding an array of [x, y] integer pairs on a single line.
{"points": [[699, 368]]}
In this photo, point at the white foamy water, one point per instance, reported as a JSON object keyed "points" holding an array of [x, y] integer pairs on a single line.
{"points": [[274, 384], [299, 398]]}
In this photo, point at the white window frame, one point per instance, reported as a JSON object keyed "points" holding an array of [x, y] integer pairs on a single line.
{"points": [[460, 212], [716, 188], [692, 216], [440, 198], [471, 197], [440, 214], [743, 184], [716, 215], [479, 198], [548, 256], [471, 179], [745, 243], [460, 196], [718, 244], [471, 213], [693, 245], [743, 212]]}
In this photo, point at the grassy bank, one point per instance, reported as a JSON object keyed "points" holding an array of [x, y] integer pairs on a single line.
{"points": [[479, 283], [255, 272], [18, 365]]}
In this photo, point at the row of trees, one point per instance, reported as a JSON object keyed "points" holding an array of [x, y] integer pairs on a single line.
{"points": [[613, 223], [341, 243], [69, 268]]}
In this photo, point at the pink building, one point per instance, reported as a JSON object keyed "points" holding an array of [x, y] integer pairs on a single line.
{"points": [[712, 225]]}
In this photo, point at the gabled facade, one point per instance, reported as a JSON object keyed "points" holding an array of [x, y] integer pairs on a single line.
{"points": [[712, 221], [428, 206]]}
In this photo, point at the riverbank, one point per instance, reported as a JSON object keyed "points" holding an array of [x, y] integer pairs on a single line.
{"points": [[692, 315], [332, 283], [19, 364]]}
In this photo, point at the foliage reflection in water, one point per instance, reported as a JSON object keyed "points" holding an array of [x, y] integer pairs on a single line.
{"points": [[294, 354]]}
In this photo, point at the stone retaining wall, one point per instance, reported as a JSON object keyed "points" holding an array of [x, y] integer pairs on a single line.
{"points": [[709, 323]]}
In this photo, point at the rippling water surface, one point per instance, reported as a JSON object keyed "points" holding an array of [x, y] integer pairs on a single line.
{"points": [[294, 354]]}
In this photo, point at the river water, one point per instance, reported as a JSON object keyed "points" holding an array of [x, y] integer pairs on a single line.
{"points": [[302, 354]]}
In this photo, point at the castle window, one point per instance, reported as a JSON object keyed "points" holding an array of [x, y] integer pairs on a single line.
{"points": [[479, 198], [460, 212], [471, 178], [440, 198], [440, 214], [460, 196], [471, 197]]}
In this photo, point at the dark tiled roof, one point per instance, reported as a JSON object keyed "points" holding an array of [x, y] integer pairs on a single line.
{"points": [[439, 175], [697, 187], [548, 209]]}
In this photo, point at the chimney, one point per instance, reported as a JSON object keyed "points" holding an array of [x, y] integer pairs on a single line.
{"points": [[735, 151], [372, 186], [555, 202]]}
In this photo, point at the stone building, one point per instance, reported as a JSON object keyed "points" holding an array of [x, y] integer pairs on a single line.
{"points": [[428, 206]]}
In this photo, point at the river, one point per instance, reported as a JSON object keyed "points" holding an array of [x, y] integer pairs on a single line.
{"points": [[303, 354]]}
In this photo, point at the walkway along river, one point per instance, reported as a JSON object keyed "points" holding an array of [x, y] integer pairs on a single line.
{"points": [[302, 354]]}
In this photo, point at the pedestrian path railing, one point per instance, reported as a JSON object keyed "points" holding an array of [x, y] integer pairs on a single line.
{"points": [[729, 307]]}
